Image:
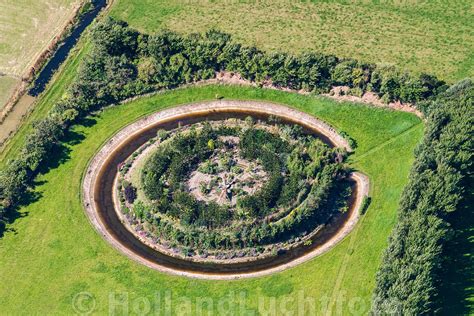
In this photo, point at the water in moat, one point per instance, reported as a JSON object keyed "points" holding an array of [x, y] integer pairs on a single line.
{"points": [[103, 195]]}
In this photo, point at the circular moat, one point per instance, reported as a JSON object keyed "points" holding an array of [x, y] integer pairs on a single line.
{"points": [[224, 189]]}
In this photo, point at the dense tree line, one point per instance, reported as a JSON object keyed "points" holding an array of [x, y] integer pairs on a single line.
{"points": [[409, 278]]}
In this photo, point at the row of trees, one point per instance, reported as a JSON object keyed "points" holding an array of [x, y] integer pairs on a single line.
{"points": [[410, 277], [123, 63]]}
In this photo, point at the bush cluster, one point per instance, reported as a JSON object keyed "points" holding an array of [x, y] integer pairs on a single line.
{"points": [[164, 174], [302, 171], [408, 281]]}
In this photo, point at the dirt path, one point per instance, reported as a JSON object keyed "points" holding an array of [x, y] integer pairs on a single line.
{"points": [[97, 163]]}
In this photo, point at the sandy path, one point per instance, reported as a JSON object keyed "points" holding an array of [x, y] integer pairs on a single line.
{"points": [[96, 164]]}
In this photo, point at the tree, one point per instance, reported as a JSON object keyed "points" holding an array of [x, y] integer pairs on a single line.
{"points": [[13, 183], [148, 69]]}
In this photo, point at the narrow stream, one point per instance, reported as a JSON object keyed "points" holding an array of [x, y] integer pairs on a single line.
{"points": [[65, 47]]}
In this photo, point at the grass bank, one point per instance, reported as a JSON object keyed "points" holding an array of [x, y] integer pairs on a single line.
{"points": [[53, 249]]}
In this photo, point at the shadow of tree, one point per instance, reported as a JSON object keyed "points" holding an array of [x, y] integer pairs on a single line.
{"points": [[58, 156], [457, 278], [62, 152], [13, 214], [89, 121]]}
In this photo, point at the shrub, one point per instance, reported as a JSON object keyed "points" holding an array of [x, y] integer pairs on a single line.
{"points": [[365, 204], [130, 193]]}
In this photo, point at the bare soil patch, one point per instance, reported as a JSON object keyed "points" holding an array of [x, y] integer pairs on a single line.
{"points": [[340, 93]]}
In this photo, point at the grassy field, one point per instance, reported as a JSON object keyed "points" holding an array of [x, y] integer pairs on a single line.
{"points": [[26, 29], [431, 36], [53, 249]]}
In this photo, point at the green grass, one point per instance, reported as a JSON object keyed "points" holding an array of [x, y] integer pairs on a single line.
{"points": [[53, 252], [430, 36]]}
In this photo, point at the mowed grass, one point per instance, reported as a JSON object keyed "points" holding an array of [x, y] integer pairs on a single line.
{"points": [[53, 254], [423, 36]]}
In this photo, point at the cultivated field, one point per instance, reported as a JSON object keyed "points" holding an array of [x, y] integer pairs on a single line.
{"points": [[26, 29], [59, 252], [430, 36]]}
